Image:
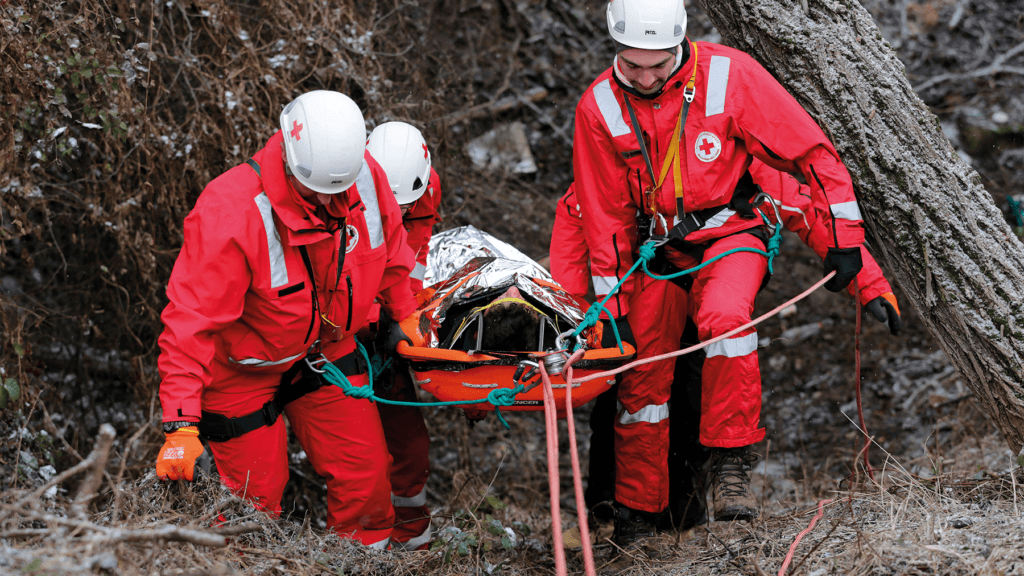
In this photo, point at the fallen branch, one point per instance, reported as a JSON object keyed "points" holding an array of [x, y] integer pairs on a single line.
{"points": [[98, 459], [995, 67]]}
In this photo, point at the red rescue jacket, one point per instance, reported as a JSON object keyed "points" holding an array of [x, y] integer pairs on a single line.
{"points": [[569, 253], [419, 223], [570, 258], [240, 294], [801, 216], [739, 112]]}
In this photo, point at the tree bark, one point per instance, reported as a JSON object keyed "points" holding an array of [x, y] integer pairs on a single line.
{"points": [[936, 228]]}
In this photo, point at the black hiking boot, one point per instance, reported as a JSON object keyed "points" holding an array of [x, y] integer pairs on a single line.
{"points": [[730, 483], [632, 525]]}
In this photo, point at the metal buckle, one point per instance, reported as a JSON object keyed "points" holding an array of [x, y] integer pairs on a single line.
{"points": [[321, 361]]}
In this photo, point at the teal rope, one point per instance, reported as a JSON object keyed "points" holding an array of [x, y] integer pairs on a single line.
{"points": [[498, 397], [647, 253]]}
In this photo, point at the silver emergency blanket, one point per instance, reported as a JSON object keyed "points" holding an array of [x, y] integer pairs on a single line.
{"points": [[452, 249], [456, 254]]}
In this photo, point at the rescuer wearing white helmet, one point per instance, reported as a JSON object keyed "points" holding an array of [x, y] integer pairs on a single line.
{"points": [[282, 260], [705, 111], [403, 154]]}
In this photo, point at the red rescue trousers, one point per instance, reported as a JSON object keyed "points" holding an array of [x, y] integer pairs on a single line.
{"points": [[722, 298], [657, 316], [344, 442], [409, 444]]}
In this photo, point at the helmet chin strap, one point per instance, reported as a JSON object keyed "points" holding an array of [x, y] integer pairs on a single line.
{"points": [[678, 51]]}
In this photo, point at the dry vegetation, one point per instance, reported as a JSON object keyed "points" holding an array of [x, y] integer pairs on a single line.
{"points": [[116, 114]]}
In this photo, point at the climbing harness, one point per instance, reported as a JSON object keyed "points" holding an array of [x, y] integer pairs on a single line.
{"points": [[648, 252]]}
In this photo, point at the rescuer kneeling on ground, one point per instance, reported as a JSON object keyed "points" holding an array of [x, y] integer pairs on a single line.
{"points": [[282, 259]]}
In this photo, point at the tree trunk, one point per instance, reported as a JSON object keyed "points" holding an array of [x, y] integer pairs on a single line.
{"points": [[936, 228]]}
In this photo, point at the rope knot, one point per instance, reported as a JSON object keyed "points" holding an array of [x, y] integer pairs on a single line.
{"points": [[648, 251], [337, 377], [773, 247], [503, 396]]}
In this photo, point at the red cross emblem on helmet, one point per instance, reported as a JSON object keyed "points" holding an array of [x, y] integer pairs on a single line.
{"points": [[707, 147]]}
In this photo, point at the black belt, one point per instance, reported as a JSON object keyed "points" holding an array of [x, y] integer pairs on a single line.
{"points": [[219, 428], [661, 266]]}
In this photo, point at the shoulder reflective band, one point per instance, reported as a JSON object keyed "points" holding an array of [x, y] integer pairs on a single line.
{"points": [[278, 268], [718, 81], [610, 110], [368, 192]]}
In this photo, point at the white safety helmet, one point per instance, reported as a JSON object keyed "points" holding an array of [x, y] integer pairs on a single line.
{"points": [[647, 24], [401, 151], [324, 139]]}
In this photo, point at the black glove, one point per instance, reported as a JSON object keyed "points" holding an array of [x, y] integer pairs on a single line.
{"points": [[625, 333], [846, 262], [883, 309], [395, 335]]}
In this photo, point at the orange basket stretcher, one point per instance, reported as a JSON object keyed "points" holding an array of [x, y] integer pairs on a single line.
{"points": [[447, 330]]}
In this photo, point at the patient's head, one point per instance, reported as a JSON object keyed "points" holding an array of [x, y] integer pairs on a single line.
{"points": [[511, 325]]}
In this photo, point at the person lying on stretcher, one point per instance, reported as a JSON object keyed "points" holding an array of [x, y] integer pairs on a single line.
{"points": [[473, 330]]}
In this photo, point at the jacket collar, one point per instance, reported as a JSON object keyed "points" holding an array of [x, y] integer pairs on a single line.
{"points": [[304, 222], [685, 58]]}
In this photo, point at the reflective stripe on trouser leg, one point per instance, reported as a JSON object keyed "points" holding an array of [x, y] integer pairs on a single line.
{"points": [[657, 317], [344, 441], [409, 445], [416, 541], [723, 299]]}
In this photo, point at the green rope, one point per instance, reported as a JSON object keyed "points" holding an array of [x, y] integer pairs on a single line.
{"points": [[647, 253], [498, 397]]}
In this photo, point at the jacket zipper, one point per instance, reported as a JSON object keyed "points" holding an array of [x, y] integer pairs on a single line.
{"points": [[312, 314], [348, 322]]}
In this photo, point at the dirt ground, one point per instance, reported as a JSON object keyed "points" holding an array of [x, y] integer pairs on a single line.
{"points": [[947, 502]]}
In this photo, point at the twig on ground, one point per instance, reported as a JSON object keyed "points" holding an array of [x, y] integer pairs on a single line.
{"points": [[98, 458], [996, 67]]}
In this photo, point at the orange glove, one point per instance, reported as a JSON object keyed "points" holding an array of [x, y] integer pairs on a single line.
{"points": [[177, 458]]}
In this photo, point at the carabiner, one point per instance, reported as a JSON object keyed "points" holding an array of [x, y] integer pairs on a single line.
{"points": [[560, 340], [762, 197], [321, 361]]}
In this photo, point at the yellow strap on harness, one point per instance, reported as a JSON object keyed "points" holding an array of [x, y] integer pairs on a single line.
{"points": [[672, 159]]}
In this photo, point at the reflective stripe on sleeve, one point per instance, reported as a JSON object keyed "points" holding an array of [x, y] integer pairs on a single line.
{"points": [[278, 269], [382, 545], [651, 414], [798, 211], [846, 211], [256, 362], [610, 109], [718, 81], [410, 501], [604, 284], [418, 272], [417, 541], [734, 347], [368, 192]]}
